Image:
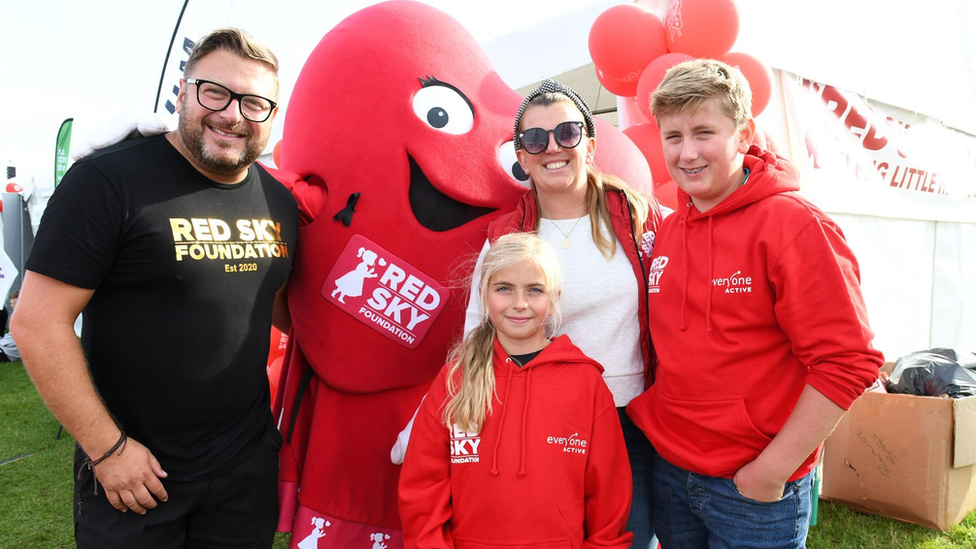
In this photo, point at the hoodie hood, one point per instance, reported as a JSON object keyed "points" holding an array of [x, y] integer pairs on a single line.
{"points": [[768, 175], [559, 351]]}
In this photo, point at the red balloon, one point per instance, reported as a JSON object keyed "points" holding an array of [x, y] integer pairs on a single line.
{"points": [[667, 194], [759, 75], [624, 39], [629, 114], [652, 76], [647, 137], [701, 28], [620, 88]]}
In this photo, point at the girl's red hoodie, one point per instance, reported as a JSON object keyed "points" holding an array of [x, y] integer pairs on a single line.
{"points": [[549, 468]]}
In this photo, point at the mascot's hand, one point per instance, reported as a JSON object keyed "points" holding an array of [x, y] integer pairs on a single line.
{"points": [[123, 127], [310, 194], [400, 447]]}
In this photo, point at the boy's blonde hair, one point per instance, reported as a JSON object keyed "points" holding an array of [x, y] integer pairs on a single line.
{"points": [[688, 86], [469, 401]]}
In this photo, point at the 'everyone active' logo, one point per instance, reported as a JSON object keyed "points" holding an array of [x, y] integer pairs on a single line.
{"points": [[734, 284], [572, 444]]}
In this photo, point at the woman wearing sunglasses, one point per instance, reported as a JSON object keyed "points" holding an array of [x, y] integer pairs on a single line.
{"points": [[603, 232]]}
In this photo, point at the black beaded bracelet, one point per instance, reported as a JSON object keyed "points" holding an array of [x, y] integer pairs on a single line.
{"points": [[90, 463]]}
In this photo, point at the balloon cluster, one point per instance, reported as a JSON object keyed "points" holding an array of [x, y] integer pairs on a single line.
{"points": [[632, 49]]}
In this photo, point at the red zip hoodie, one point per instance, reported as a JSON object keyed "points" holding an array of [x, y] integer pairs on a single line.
{"points": [[750, 301], [549, 468]]}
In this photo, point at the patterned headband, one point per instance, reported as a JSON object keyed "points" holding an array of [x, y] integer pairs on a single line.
{"points": [[551, 86]]}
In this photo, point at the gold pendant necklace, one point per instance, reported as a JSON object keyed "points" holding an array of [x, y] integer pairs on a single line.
{"points": [[566, 243]]}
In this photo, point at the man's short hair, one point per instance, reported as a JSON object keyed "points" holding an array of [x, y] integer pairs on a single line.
{"points": [[688, 86], [236, 41]]}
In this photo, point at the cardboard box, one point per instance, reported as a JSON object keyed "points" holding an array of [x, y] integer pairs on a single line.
{"points": [[907, 457]]}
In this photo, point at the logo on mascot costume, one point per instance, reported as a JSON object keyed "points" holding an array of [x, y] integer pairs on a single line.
{"points": [[384, 292]]}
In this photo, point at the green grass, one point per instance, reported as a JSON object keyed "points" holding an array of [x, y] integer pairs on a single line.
{"points": [[35, 490]]}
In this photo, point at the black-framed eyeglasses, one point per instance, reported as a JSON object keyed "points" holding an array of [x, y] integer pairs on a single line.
{"points": [[567, 134], [215, 97]]}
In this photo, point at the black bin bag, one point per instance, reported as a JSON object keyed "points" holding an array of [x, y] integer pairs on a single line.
{"points": [[935, 372]]}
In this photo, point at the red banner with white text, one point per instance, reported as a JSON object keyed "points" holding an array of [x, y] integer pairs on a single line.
{"points": [[865, 157]]}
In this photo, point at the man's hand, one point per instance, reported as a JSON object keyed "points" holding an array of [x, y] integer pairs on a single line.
{"points": [[131, 480]]}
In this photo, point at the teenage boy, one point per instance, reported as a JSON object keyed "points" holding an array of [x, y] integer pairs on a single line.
{"points": [[759, 325]]}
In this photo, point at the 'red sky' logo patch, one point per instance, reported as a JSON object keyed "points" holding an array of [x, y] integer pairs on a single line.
{"points": [[384, 292]]}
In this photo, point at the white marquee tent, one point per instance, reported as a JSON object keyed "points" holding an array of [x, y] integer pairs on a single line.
{"points": [[917, 251]]}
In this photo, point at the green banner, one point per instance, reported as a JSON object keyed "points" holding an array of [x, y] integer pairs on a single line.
{"points": [[61, 150]]}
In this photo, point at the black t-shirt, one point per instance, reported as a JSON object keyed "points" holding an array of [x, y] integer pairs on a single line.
{"points": [[522, 360], [184, 271]]}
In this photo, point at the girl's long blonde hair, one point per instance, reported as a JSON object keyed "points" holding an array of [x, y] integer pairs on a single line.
{"points": [[471, 378]]}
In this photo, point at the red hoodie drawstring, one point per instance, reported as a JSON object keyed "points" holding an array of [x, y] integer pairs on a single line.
{"points": [[711, 277], [684, 300], [501, 423], [525, 415]]}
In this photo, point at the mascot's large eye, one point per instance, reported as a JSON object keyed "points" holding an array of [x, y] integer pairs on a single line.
{"points": [[509, 162], [444, 108]]}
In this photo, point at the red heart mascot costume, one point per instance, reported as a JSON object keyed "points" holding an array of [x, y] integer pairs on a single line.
{"points": [[397, 145]]}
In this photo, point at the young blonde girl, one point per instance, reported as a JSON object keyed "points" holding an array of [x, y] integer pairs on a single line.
{"points": [[518, 443]]}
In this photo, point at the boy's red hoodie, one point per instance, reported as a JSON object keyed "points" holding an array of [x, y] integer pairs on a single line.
{"points": [[750, 302], [549, 468]]}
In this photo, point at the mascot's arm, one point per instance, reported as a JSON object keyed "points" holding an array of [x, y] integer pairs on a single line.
{"points": [[310, 196], [293, 408], [475, 313], [399, 450], [125, 126]]}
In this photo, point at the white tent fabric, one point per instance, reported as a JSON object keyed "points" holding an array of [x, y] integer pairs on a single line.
{"points": [[918, 276]]}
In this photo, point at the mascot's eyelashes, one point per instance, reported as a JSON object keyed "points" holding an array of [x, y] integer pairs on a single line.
{"points": [[443, 107], [433, 81]]}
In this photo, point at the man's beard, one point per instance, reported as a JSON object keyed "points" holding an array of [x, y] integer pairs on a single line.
{"points": [[191, 132]]}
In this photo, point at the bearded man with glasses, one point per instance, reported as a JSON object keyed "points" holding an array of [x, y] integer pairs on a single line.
{"points": [[177, 241]]}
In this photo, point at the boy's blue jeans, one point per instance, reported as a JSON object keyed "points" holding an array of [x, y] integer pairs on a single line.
{"points": [[693, 511]]}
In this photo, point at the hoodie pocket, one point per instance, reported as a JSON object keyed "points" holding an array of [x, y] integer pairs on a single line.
{"points": [[711, 435], [474, 543]]}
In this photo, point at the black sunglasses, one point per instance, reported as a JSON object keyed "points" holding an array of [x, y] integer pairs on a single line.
{"points": [[567, 134]]}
